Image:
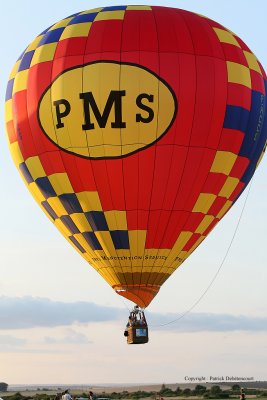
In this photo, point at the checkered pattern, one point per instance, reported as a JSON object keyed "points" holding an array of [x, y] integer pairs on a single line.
{"points": [[80, 223], [44, 46], [135, 221], [243, 69]]}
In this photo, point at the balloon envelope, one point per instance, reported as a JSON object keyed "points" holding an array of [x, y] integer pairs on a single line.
{"points": [[136, 128]]}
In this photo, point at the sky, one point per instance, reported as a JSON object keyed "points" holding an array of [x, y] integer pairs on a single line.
{"points": [[61, 323]]}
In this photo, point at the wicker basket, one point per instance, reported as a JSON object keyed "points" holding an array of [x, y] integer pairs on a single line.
{"points": [[137, 334]]}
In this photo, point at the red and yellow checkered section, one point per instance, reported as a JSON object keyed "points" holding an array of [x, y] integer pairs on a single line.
{"points": [[136, 219]]}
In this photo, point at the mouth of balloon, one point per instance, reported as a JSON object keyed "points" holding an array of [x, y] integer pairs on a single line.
{"points": [[142, 295]]}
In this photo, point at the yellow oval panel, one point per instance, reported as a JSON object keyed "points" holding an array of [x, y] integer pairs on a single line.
{"points": [[106, 109]]}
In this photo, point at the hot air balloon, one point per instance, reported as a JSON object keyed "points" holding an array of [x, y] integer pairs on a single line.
{"points": [[136, 128]]}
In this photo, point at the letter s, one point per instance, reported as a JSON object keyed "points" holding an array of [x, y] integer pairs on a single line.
{"points": [[139, 117]]}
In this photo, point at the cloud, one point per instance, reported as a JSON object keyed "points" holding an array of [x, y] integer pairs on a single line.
{"points": [[9, 340], [72, 337], [196, 322], [30, 312], [9, 343]]}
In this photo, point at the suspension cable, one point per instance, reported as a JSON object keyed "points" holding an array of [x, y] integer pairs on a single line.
{"points": [[218, 270]]}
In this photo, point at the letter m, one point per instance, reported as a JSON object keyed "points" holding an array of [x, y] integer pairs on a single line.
{"points": [[89, 104]]}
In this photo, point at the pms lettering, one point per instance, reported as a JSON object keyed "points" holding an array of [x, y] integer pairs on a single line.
{"points": [[115, 101]]}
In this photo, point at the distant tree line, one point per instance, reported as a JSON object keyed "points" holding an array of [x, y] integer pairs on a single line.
{"points": [[3, 387], [214, 392]]}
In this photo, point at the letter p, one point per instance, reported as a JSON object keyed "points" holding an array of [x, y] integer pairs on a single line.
{"points": [[62, 110]]}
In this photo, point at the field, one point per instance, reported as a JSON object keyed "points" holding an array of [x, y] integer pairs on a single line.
{"points": [[104, 390]]}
